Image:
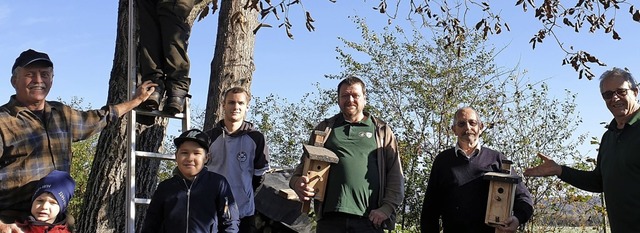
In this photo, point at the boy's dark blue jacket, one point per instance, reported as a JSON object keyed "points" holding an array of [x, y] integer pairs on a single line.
{"points": [[204, 205]]}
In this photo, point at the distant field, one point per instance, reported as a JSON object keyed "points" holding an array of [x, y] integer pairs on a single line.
{"points": [[571, 230]]}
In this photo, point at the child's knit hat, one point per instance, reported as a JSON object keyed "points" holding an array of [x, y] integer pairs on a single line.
{"points": [[60, 185]]}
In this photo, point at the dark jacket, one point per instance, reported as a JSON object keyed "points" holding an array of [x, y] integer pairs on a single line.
{"points": [[616, 173], [202, 205]]}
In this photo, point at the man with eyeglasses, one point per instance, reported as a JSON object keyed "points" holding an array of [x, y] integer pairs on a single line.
{"points": [[617, 170], [457, 191]]}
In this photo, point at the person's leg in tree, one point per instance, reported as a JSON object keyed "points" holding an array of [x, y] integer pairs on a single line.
{"points": [[172, 16], [151, 51]]}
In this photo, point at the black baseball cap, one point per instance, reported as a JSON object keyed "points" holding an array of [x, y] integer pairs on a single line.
{"points": [[30, 56], [193, 135]]}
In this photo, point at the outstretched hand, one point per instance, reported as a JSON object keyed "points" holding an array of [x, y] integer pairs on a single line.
{"points": [[143, 92], [547, 168]]}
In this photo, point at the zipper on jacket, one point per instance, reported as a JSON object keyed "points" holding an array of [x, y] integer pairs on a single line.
{"points": [[188, 200], [225, 213]]}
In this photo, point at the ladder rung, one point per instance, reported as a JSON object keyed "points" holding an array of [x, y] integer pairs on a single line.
{"points": [[142, 200], [157, 113], [155, 155]]}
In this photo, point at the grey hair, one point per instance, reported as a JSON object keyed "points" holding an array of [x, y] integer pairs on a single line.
{"points": [[455, 115], [617, 72], [14, 74]]}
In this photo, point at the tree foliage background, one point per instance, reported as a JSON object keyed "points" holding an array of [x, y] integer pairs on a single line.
{"points": [[415, 83], [456, 18]]}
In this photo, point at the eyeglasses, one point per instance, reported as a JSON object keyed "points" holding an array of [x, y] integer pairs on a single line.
{"points": [[622, 92], [471, 123]]}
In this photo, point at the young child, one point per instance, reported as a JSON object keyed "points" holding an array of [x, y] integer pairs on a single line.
{"points": [[193, 199], [49, 204]]}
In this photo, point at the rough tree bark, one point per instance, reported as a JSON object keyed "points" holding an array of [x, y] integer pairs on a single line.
{"points": [[232, 63]]}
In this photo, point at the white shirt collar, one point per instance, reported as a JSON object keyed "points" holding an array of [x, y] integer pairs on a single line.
{"points": [[476, 150]]}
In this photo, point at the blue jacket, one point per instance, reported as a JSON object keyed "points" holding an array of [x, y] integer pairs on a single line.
{"points": [[204, 205]]}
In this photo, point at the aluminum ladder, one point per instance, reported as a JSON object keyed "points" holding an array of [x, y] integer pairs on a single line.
{"points": [[132, 154]]}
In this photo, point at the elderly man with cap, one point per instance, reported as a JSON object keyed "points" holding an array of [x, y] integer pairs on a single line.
{"points": [[36, 134]]}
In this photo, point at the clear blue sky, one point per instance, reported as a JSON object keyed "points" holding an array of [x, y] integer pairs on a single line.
{"points": [[79, 36]]}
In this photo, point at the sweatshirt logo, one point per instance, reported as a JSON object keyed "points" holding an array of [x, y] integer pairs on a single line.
{"points": [[242, 156]]}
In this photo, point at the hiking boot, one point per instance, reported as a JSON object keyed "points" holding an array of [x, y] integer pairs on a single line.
{"points": [[153, 102], [174, 105]]}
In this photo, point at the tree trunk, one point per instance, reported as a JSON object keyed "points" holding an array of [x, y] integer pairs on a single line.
{"points": [[232, 63], [104, 200]]}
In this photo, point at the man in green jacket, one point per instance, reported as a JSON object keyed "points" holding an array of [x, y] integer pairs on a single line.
{"points": [[617, 171], [366, 186]]}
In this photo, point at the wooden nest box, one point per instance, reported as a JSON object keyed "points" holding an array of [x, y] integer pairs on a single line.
{"points": [[502, 191], [317, 161]]}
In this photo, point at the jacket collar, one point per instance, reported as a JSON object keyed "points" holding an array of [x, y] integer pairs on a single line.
{"points": [[633, 122], [16, 107], [245, 128]]}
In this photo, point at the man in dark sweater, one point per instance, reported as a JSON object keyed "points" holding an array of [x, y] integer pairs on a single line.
{"points": [[618, 162], [457, 192]]}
